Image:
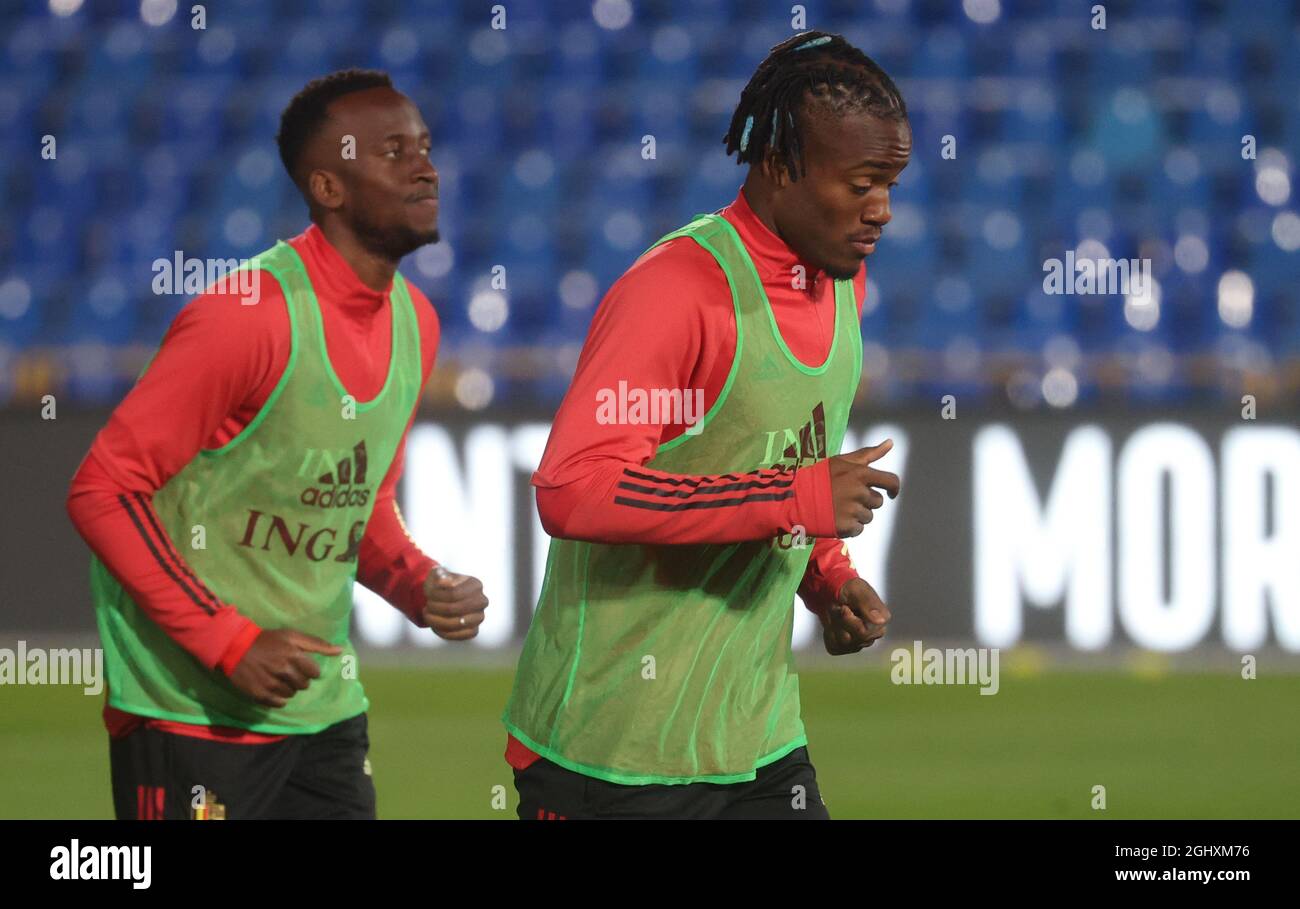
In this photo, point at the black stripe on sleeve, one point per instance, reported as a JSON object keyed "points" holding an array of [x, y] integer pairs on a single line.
{"points": [[162, 562], [692, 481], [706, 490], [705, 503], [176, 557]]}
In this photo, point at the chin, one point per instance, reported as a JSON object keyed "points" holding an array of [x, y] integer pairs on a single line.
{"points": [[844, 272], [410, 240], [422, 232]]}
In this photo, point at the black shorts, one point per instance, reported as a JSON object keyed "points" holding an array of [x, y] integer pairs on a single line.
{"points": [[785, 789], [325, 775]]}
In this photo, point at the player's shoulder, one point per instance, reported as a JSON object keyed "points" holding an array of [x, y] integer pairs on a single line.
{"points": [[424, 311], [247, 304], [680, 254], [239, 332], [679, 275], [426, 318], [860, 287]]}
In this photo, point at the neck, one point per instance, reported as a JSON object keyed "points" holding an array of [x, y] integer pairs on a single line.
{"points": [[374, 270], [759, 196]]}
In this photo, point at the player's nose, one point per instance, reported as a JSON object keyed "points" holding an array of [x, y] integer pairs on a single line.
{"points": [[878, 212], [425, 172]]}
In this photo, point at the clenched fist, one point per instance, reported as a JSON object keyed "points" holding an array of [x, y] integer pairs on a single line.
{"points": [[856, 621], [279, 665], [453, 604]]}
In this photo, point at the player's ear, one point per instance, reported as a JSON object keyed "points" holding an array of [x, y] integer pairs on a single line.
{"points": [[324, 189], [774, 169]]}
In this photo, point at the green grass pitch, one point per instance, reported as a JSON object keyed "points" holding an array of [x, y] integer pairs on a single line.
{"points": [[1163, 746]]}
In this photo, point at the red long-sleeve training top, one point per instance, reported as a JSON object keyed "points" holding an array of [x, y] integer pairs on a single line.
{"points": [[669, 323], [215, 368]]}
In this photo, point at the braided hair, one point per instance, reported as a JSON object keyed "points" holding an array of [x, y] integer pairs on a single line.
{"points": [[815, 67]]}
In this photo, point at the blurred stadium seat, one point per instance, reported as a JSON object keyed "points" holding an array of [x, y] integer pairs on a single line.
{"points": [[1127, 139]]}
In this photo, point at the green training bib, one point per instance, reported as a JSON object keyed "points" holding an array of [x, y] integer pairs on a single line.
{"points": [[672, 664], [279, 512]]}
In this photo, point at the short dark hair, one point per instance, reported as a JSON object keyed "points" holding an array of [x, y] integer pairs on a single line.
{"points": [[308, 109], [840, 79]]}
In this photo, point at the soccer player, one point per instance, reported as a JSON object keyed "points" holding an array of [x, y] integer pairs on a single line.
{"points": [[657, 678], [248, 478]]}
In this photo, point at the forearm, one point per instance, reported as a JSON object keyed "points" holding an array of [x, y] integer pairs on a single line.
{"points": [[125, 533], [829, 568], [173, 411], [391, 564], [613, 501]]}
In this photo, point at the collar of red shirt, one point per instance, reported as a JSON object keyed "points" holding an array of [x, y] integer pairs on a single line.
{"points": [[773, 258], [332, 277]]}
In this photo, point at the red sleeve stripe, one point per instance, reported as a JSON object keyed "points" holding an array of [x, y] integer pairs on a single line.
{"points": [[146, 506], [162, 562]]}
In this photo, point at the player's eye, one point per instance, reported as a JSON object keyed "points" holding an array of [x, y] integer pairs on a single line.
{"points": [[860, 190]]}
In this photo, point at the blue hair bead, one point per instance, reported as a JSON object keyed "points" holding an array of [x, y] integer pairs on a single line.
{"points": [[813, 43], [744, 137]]}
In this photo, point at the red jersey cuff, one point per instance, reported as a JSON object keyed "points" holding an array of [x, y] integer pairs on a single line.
{"points": [[814, 508], [836, 580], [238, 646]]}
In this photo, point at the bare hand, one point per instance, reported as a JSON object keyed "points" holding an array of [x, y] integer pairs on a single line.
{"points": [[856, 621], [453, 604], [852, 492], [278, 666]]}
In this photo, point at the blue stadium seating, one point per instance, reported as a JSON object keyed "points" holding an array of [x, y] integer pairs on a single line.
{"points": [[166, 141]]}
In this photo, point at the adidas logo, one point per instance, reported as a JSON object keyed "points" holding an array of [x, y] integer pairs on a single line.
{"points": [[342, 483], [767, 369]]}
